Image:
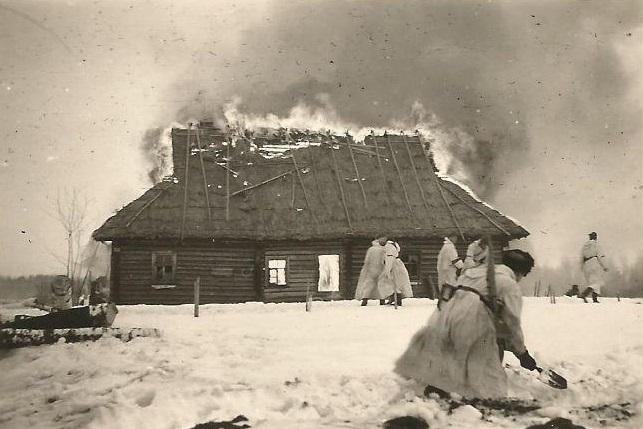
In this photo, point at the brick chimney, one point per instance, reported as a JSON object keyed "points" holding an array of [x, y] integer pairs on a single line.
{"points": [[179, 142]]}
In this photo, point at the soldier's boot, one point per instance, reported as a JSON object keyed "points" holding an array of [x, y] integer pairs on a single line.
{"points": [[364, 302], [585, 293], [595, 297]]}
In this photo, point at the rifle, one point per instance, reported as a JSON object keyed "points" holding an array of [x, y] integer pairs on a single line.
{"points": [[491, 278]]}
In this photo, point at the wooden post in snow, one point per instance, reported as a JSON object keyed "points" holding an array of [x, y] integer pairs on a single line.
{"points": [[197, 292], [309, 298]]}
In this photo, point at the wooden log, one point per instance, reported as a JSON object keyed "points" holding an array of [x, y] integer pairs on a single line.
{"points": [[216, 162], [272, 179], [227, 182], [359, 178], [341, 187], [185, 185], [437, 184], [320, 194], [301, 182], [415, 173], [292, 191], [494, 223], [145, 206], [205, 178], [362, 151], [399, 175], [381, 168], [14, 338]]}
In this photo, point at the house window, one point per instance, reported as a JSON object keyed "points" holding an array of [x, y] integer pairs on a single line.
{"points": [[411, 261], [164, 267], [277, 273], [328, 273]]}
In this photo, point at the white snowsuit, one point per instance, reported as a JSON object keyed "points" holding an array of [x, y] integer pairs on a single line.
{"points": [[475, 255], [448, 263], [593, 268], [367, 285], [457, 351], [395, 275]]}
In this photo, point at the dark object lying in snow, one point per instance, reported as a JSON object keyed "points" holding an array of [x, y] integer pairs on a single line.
{"points": [[235, 423], [406, 422], [508, 406], [91, 316], [73, 325], [557, 423], [12, 338]]}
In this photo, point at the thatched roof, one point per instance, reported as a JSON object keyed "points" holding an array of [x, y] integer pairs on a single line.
{"points": [[311, 191]]}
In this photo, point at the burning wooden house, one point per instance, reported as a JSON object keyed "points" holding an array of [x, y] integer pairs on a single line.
{"points": [[271, 214]]}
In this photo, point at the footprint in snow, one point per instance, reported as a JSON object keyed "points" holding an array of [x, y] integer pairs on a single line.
{"points": [[146, 399]]}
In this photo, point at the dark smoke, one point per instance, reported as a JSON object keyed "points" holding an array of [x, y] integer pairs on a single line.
{"points": [[511, 76], [156, 153]]}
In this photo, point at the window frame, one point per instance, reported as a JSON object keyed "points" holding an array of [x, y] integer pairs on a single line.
{"points": [[164, 282], [286, 269]]}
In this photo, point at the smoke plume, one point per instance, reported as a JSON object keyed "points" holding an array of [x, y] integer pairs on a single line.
{"points": [[530, 103]]}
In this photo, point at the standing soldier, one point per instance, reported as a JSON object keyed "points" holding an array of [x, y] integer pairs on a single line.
{"points": [[593, 268], [367, 285], [476, 254], [448, 263], [395, 275]]}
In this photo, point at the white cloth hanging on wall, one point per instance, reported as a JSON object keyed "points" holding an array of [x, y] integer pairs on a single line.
{"points": [[328, 273]]}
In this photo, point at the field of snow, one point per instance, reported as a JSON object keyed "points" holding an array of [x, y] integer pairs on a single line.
{"points": [[283, 367]]}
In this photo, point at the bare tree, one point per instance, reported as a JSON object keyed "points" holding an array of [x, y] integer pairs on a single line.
{"points": [[71, 213]]}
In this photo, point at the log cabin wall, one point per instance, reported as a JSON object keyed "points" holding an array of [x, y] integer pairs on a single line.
{"points": [[302, 270], [236, 271], [226, 270]]}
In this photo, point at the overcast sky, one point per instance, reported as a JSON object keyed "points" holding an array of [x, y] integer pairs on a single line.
{"points": [[539, 103]]}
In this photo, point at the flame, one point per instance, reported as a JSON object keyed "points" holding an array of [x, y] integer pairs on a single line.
{"points": [[157, 148], [444, 140]]}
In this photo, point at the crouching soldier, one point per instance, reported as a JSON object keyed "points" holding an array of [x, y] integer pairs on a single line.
{"points": [[458, 350]]}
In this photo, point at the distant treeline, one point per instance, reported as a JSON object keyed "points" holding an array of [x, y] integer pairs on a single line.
{"points": [[624, 281], [12, 288]]}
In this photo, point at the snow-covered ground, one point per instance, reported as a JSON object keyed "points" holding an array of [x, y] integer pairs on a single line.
{"points": [[283, 367]]}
